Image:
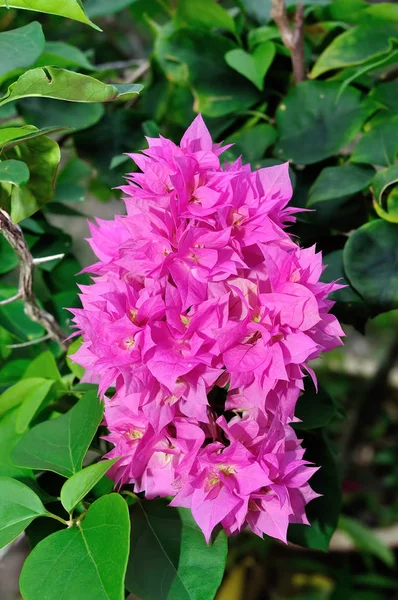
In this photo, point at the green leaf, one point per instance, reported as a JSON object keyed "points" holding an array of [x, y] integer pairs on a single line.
{"points": [[60, 445], [335, 185], [10, 373], [21, 391], [45, 366], [72, 9], [9, 260], [311, 135], [381, 183], [253, 66], [386, 94], [59, 54], [210, 15], [71, 182], [19, 48], [15, 172], [100, 8], [263, 34], [51, 82], [315, 409], [14, 319], [8, 439], [370, 259], [250, 143], [76, 369], [12, 136], [45, 112], [187, 58], [323, 512], [78, 486], [168, 542], [95, 553], [42, 156], [32, 403], [366, 541], [379, 144], [19, 505], [354, 47]]}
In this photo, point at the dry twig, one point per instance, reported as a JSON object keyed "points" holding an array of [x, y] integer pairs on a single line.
{"points": [[15, 238], [292, 38]]}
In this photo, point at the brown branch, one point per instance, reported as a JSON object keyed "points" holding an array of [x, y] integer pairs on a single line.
{"points": [[15, 238], [292, 38]]}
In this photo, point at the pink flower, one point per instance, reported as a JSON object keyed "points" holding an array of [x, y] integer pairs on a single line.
{"points": [[202, 304]]}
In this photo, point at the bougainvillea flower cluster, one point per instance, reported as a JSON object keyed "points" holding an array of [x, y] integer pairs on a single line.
{"points": [[202, 315]]}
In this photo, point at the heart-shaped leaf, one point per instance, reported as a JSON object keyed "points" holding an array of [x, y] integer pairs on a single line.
{"points": [[19, 48], [77, 486], [15, 172], [253, 66], [60, 445], [19, 505], [168, 541], [94, 552]]}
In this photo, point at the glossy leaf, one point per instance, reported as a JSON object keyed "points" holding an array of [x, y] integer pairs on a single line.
{"points": [[370, 259], [78, 486], [19, 48], [168, 542], [15, 172], [32, 403], [322, 512], [209, 16], [12, 136], [8, 439], [72, 9], [335, 182], [44, 365], [324, 127], [187, 58], [253, 66], [95, 551], [354, 47], [379, 144], [366, 541], [18, 393], [61, 84], [60, 445], [19, 505]]}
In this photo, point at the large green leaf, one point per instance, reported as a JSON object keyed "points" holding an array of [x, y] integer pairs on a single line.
{"points": [[61, 84], [78, 486], [31, 404], [323, 512], [366, 541], [379, 144], [386, 94], [45, 112], [19, 48], [85, 562], [187, 56], [250, 143], [12, 136], [60, 445], [44, 365], [167, 542], [355, 46], [8, 439], [59, 54], [72, 9], [313, 125], [19, 505], [340, 182], [42, 156], [210, 15], [253, 66], [15, 172], [370, 261], [15, 395]]}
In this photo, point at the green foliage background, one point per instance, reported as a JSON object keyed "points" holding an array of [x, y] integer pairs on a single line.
{"points": [[73, 100]]}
